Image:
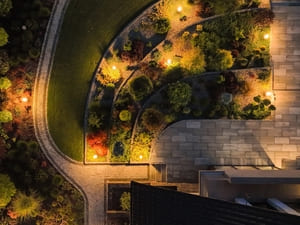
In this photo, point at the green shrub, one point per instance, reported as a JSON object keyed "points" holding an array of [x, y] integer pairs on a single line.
{"points": [[22, 145], [193, 60], [161, 25], [125, 115], [34, 53], [44, 12], [5, 116], [94, 121], [264, 75], [179, 95], [4, 63], [127, 46], [169, 118], [57, 180], [5, 7], [221, 61], [167, 46], [172, 75], [125, 201], [7, 190], [4, 83], [26, 206], [3, 37], [152, 119], [259, 109], [155, 55], [143, 139], [221, 6], [140, 87]]}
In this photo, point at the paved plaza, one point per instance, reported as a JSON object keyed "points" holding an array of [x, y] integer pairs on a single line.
{"points": [[188, 146]]}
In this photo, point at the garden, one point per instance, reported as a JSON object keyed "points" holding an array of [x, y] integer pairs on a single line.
{"points": [[179, 60], [32, 191]]}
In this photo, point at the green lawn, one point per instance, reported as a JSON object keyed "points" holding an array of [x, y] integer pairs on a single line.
{"points": [[88, 28]]}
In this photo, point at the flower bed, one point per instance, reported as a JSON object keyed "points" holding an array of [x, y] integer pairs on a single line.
{"points": [[142, 88]]}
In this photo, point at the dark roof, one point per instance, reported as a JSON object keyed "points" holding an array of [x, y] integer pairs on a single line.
{"points": [[157, 206]]}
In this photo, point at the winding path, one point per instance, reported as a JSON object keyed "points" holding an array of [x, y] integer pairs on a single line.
{"points": [[90, 179]]}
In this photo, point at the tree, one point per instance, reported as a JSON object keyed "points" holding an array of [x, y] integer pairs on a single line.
{"points": [[179, 95], [5, 7], [7, 190], [5, 116], [25, 206], [4, 64], [4, 83], [140, 87], [162, 25], [3, 37], [221, 61]]}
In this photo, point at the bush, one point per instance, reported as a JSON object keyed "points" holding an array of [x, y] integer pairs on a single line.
{"points": [[3, 37], [125, 201], [143, 139], [179, 95], [5, 7], [264, 75], [259, 109], [221, 61], [161, 26], [155, 55], [264, 17], [219, 7], [108, 75], [26, 206], [7, 190], [125, 115], [140, 87], [167, 46], [34, 53], [193, 60], [98, 142], [94, 121], [4, 63], [152, 119], [44, 12], [4, 83], [5, 116]]}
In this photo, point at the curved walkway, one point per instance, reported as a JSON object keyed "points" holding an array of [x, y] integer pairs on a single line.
{"points": [[90, 180]]}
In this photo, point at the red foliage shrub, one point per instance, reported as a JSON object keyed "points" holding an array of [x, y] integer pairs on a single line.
{"points": [[98, 142], [136, 54]]}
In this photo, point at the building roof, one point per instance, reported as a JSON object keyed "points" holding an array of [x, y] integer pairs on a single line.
{"points": [[157, 206]]}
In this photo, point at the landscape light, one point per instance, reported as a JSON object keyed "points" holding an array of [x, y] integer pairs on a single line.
{"points": [[266, 36], [114, 67], [179, 9], [141, 157], [169, 62], [24, 99], [95, 156], [269, 93]]}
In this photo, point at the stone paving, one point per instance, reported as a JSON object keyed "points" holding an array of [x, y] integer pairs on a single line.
{"points": [[188, 146]]}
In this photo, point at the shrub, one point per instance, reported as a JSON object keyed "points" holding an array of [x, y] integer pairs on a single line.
{"points": [[7, 190], [193, 60], [4, 83], [125, 201], [152, 119], [125, 115], [169, 118], [143, 139], [127, 46], [221, 61], [264, 75], [140, 87], [57, 180], [108, 75], [155, 55], [264, 17], [5, 7], [98, 142], [26, 206], [3, 37], [94, 121], [118, 149], [259, 109], [179, 95], [5, 116], [167, 46], [34, 53], [161, 25], [44, 12], [172, 75], [4, 63]]}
